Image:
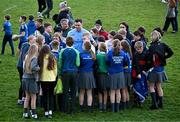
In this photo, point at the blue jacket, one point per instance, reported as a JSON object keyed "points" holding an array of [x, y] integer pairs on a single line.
{"points": [[129, 67], [7, 28], [116, 63], [140, 88], [31, 27], [69, 60], [23, 28], [24, 50], [86, 62]]}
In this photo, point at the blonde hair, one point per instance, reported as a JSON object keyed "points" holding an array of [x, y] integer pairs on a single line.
{"points": [[86, 34], [138, 44], [102, 47], [116, 46], [32, 52], [126, 47], [39, 40], [57, 34], [155, 36]]}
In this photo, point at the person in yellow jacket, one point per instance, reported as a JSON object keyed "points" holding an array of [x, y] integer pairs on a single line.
{"points": [[48, 74]]}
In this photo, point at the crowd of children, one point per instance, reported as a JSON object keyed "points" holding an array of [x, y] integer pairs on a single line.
{"points": [[110, 65]]}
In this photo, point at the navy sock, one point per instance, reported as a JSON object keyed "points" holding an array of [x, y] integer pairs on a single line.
{"points": [[112, 107]]}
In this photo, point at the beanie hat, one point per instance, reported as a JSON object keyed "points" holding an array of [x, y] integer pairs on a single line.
{"points": [[62, 5], [98, 22]]}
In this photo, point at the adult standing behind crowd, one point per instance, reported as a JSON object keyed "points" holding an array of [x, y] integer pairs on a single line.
{"points": [[63, 28], [170, 17], [41, 7], [49, 4], [77, 34], [176, 14], [124, 25]]}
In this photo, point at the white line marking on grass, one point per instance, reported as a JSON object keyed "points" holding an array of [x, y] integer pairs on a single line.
{"points": [[14, 6]]}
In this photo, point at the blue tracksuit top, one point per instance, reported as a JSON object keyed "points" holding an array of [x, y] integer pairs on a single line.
{"points": [[116, 63], [77, 36], [31, 27], [7, 28], [86, 62], [23, 28], [24, 50], [129, 67]]}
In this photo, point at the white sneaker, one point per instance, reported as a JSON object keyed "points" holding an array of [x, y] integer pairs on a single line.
{"points": [[30, 111], [50, 112], [163, 1], [34, 116], [20, 102], [25, 115], [46, 114], [39, 14]]}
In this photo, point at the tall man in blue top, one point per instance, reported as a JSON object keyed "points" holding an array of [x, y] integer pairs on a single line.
{"points": [[77, 34]]}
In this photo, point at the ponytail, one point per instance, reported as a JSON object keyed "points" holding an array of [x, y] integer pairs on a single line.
{"points": [[116, 46]]}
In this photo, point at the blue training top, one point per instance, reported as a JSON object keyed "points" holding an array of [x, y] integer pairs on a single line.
{"points": [[116, 63], [23, 28], [68, 60], [31, 27], [7, 28], [24, 50], [86, 62], [129, 67]]}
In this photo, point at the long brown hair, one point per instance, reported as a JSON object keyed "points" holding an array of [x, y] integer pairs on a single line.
{"points": [[32, 52], [172, 3], [45, 50], [126, 47], [87, 47], [116, 47]]}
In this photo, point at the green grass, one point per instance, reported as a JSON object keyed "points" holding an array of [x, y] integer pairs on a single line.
{"points": [[147, 13]]}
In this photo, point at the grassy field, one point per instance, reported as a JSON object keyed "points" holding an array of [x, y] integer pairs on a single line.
{"points": [[147, 13]]}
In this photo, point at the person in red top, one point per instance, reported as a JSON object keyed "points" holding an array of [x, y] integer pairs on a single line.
{"points": [[101, 31]]}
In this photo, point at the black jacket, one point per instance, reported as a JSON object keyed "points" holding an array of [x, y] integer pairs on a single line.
{"points": [[140, 63], [162, 50]]}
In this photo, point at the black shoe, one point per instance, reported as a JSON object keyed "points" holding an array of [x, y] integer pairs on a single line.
{"points": [[160, 106], [90, 109], [153, 107], [81, 108]]}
